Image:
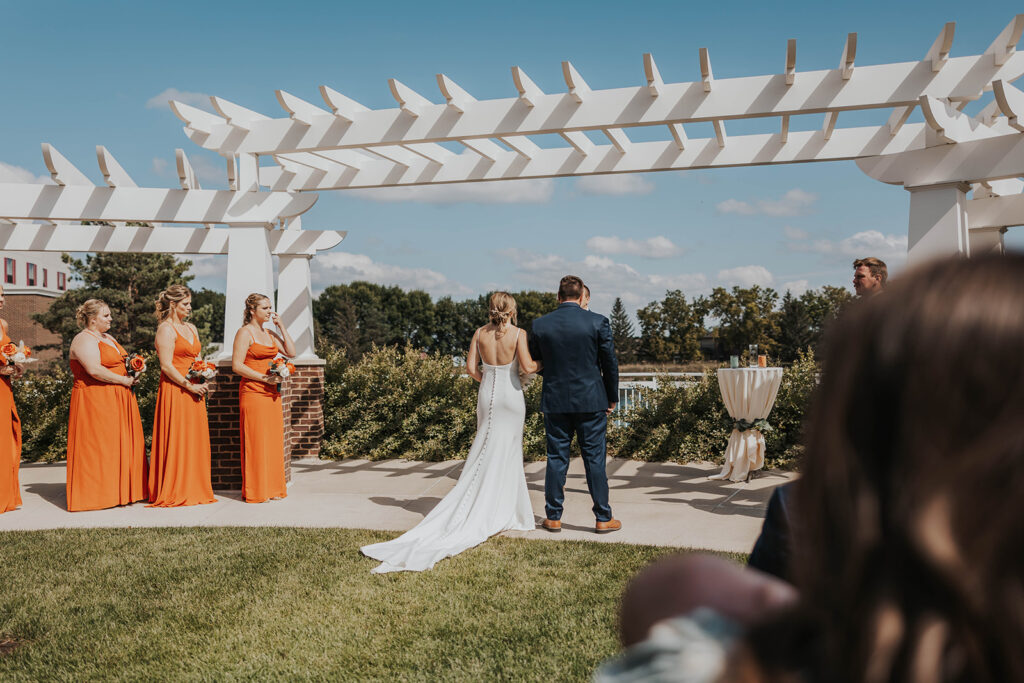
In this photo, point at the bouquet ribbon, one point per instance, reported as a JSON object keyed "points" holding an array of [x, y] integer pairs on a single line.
{"points": [[760, 424]]}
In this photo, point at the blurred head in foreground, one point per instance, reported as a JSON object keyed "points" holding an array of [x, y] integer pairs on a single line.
{"points": [[909, 538]]}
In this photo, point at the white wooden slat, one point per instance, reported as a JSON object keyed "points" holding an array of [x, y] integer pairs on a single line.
{"points": [[785, 129], [995, 212], [409, 100], [1002, 188], [113, 173], [395, 153], [579, 141], [1005, 44], [653, 76], [298, 109], [830, 124], [993, 158], [61, 170], [309, 160], [456, 97], [431, 151], [529, 92], [196, 119], [889, 85], [78, 203], [237, 115], [619, 139], [343, 107], [485, 148], [346, 157], [678, 135], [790, 61], [938, 53], [848, 57], [523, 146], [1010, 101], [578, 87], [23, 236], [186, 174], [706, 75], [720, 135], [898, 117]]}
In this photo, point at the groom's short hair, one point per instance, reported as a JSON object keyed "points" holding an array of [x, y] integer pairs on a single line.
{"points": [[571, 287]]}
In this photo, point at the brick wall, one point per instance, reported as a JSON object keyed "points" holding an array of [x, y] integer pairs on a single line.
{"points": [[18, 310], [302, 397]]}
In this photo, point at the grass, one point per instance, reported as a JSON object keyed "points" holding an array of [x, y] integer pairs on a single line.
{"points": [[265, 603]]}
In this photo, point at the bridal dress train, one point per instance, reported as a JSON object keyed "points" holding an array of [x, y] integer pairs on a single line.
{"points": [[490, 496]]}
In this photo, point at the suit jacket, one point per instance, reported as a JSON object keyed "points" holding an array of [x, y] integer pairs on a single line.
{"points": [[771, 552], [581, 373]]}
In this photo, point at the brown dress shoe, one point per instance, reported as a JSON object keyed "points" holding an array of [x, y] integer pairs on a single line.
{"points": [[552, 524], [610, 525]]}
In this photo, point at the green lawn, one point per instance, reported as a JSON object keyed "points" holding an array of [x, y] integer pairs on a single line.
{"points": [[229, 603]]}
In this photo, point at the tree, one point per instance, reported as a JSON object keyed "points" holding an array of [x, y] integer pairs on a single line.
{"points": [[796, 332], [745, 316], [208, 316], [824, 306], [623, 332], [670, 330], [128, 283]]}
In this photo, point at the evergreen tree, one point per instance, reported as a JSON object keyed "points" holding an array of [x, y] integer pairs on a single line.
{"points": [[622, 332], [796, 332], [128, 283]]}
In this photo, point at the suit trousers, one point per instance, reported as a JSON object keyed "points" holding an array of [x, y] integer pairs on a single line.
{"points": [[590, 430]]}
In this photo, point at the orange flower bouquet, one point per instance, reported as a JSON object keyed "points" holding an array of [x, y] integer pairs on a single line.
{"points": [[135, 364], [201, 371], [16, 354], [280, 366]]}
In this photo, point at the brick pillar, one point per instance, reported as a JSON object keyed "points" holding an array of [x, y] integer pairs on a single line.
{"points": [[302, 400]]}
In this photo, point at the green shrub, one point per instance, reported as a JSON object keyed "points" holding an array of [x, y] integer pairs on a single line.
{"points": [[784, 443], [43, 398]]}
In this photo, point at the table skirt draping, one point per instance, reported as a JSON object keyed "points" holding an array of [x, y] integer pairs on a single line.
{"points": [[748, 394]]}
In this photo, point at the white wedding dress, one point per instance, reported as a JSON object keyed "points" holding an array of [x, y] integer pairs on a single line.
{"points": [[490, 496]]}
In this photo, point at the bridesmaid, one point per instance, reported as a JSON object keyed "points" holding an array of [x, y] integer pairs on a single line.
{"points": [[259, 400], [106, 449], [179, 464], [10, 430]]}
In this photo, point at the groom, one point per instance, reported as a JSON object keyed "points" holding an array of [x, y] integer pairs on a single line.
{"points": [[581, 385]]}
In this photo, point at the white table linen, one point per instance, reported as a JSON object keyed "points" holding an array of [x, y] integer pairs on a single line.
{"points": [[748, 394]]}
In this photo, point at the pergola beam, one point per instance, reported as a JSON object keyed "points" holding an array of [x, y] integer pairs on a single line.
{"points": [[996, 212], [535, 113], [992, 158]]}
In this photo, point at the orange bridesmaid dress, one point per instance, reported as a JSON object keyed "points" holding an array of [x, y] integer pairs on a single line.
{"points": [[259, 406], [10, 444], [106, 449], [179, 460]]}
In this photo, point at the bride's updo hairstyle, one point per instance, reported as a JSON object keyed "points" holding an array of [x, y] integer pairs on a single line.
{"points": [[503, 310], [89, 310], [251, 302], [168, 299]]}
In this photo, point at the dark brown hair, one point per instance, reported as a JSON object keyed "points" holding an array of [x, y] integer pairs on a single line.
{"points": [[909, 514], [875, 266], [569, 288], [174, 294]]}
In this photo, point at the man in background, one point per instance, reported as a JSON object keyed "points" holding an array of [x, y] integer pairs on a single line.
{"points": [[869, 276]]}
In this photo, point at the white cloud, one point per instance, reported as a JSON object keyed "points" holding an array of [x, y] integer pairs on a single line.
{"points": [[746, 276], [652, 247], [339, 267], [160, 166], [794, 233], [534, 191], [10, 173], [874, 243], [195, 99], [615, 184], [796, 287], [204, 266], [793, 203]]}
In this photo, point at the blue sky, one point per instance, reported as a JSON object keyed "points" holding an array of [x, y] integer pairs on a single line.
{"points": [[84, 74]]}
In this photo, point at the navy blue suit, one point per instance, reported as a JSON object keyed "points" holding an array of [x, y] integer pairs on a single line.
{"points": [[581, 379], [771, 552]]}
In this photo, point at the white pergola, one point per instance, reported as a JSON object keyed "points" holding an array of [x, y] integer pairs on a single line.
{"points": [[276, 165]]}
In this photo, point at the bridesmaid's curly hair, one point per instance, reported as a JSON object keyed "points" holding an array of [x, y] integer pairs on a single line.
{"points": [[251, 302], [88, 310], [168, 298]]}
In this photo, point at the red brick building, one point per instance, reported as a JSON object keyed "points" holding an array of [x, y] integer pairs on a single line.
{"points": [[31, 281]]}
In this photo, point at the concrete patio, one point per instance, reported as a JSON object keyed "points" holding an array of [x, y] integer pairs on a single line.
{"points": [[663, 504]]}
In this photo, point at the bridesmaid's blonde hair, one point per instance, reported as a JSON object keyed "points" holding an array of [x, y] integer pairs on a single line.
{"points": [[251, 302], [503, 309], [168, 299], [88, 310]]}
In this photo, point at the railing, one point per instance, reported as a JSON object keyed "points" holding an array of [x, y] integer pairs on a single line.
{"points": [[633, 385]]}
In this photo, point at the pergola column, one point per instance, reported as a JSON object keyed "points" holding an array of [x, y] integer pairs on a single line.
{"points": [[987, 241], [250, 269], [938, 222], [295, 303]]}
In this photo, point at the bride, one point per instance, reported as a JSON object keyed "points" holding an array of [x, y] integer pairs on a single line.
{"points": [[490, 496]]}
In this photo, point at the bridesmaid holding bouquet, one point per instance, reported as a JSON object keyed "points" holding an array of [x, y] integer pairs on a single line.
{"points": [[10, 429], [259, 400], [179, 467], [106, 449]]}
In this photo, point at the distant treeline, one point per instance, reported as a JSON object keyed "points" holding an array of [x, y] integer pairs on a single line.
{"points": [[356, 316]]}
